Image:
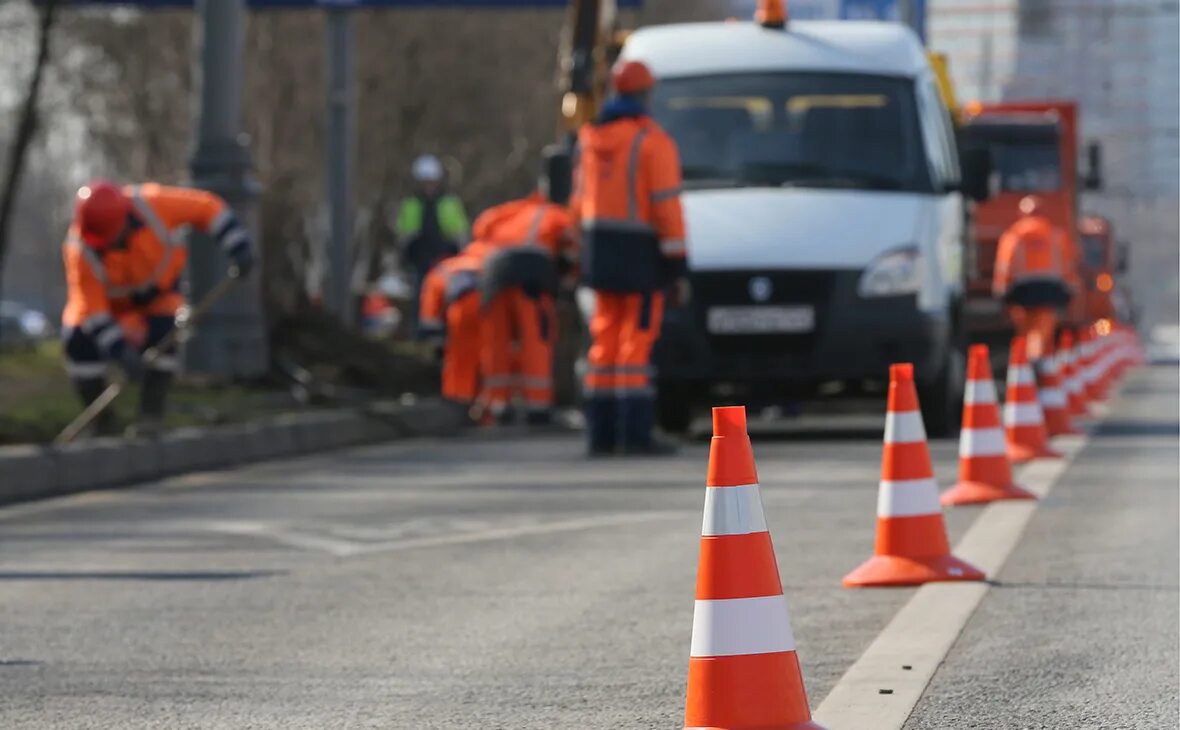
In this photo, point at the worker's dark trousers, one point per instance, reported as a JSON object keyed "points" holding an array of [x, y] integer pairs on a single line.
{"points": [[86, 364]]}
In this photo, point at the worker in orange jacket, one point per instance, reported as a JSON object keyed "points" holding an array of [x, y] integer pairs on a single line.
{"points": [[124, 259], [1030, 276], [627, 202], [533, 244], [449, 315]]}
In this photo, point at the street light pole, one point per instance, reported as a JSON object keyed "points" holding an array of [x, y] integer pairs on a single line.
{"points": [[232, 341], [341, 133]]}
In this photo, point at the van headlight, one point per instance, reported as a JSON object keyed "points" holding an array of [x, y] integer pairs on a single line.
{"points": [[893, 273]]}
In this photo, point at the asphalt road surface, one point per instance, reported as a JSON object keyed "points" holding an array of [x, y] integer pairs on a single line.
{"points": [[509, 583]]}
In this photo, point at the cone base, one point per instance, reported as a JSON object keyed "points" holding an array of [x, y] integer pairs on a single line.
{"points": [[895, 570], [793, 726], [1020, 454], [980, 493]]}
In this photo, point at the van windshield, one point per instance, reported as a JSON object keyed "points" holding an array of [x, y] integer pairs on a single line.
{"points": [[826, 130]]}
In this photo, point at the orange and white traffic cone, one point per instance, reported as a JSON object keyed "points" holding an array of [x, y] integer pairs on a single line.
{"points": [[1104, 365], [743, 673], [1054, 402], [1024, 422], [1090, 367], [912, 546], [1075, 389], [985, 474]]}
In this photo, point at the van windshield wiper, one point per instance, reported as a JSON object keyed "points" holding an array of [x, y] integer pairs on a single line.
{"points": [[711, 183]]}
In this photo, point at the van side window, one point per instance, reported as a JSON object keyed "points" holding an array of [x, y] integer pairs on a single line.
{"points": [[936, 135]]}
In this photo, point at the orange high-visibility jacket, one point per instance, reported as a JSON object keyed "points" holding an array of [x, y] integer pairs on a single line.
{"points": [[530, 221], [626, 195], [446, 282], [100, 284], [1030, 250]]}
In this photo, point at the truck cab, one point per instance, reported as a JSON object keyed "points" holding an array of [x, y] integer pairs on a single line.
{"points": [[825, 212], [1033, 149], [1098, 267]]}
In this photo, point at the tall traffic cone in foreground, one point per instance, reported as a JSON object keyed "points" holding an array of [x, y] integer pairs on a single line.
{"points": [[911, 547], [985, 474], [743, 673], [1054, 402], [1075, 389], [1024, 422]]}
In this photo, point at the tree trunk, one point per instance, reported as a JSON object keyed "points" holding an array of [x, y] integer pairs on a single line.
{"points": [[25, 130]]}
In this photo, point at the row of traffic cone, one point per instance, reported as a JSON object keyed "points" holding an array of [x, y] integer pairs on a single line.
{"points": [[744, 672]]}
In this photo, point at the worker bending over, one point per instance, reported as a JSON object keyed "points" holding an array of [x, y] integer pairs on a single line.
{"points": [[449, 316], [627, 202], [124, 259], [533, 246], [1030, 276]]}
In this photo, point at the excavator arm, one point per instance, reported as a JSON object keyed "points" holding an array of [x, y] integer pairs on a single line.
{"points": [[590, 43]]}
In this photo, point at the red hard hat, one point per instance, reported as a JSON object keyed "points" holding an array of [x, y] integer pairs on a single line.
{"points": [[101, 211], [631, 77]]}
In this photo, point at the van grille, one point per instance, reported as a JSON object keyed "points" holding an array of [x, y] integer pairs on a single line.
{"points": [[732, 288]]}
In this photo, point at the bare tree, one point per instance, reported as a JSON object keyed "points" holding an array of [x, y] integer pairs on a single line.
{"points": [[26, 127]]}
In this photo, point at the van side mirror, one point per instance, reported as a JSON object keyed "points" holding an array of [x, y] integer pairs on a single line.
{"points": [[976, 165], [1122, 258], [1093, 179]]}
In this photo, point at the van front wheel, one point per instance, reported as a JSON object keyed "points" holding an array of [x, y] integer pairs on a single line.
{"points": [[942, 397]]}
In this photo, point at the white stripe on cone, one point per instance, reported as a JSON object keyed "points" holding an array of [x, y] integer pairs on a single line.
{"points": [[733, 511], [980, 392], [904, 428], [739, 626], [1021, 375], [1053, 398], [908, 498], [1023, 414], [982, 442]]}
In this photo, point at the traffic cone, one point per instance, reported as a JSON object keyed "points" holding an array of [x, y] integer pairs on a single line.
{"points": [[1102, 366], [911, 546], [1089, 367], [985, 474], [743, 673], [1054, 403], [1075, 390], [1024, 422]]}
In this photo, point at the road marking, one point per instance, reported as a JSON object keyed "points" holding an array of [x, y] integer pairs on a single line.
{"points": [[343, 548], [880, 691]]}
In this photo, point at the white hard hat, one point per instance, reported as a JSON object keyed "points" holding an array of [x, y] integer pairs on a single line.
{"points": [[427, 168]]}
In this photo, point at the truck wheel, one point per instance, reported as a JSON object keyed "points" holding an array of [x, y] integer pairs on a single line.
{"points": [[942, 398], [673, 411]]}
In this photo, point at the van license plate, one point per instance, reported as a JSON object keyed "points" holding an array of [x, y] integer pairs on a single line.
{"points": [[760, 320]]}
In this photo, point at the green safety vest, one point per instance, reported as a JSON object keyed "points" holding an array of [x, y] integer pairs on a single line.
{"points": [[452, 219]]}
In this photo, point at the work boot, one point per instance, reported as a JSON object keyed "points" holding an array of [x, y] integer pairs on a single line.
{"points": [[602, 427], [89, 389], [151, 404], [504, 415], [539, 418]]}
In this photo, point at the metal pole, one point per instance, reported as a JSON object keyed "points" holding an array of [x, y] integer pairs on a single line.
{"points": [[341, 131], [232, 341]]}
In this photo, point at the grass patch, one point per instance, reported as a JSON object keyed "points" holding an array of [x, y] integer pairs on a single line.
{"points": [[37, 399]]}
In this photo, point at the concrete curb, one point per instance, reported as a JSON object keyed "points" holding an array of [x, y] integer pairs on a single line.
{"points": [[30, 471]]}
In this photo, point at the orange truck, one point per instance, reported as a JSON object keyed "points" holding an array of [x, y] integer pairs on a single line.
{"points": [[1034, 149], [1102, 262]]}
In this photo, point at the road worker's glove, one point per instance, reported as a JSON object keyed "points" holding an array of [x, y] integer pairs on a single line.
{"points": [[145, 296], [243, 261]]}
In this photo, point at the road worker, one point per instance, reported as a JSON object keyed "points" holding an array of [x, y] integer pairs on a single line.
{"points": [[534, 245], [1030, 276], [627, 203], [449, 316], [431, 223], [124, 259]]}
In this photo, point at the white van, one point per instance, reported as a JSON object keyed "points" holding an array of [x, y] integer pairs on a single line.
{"points": [[826, 215]]}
